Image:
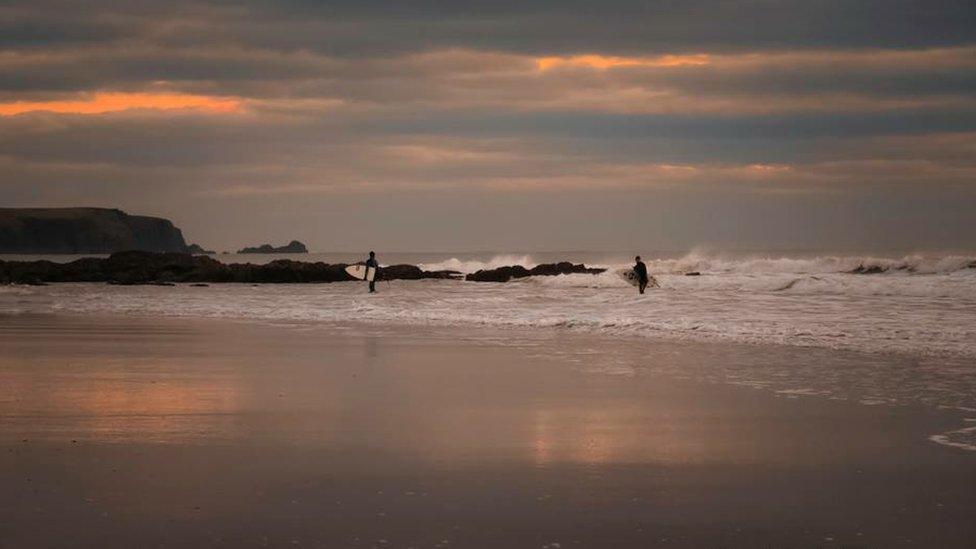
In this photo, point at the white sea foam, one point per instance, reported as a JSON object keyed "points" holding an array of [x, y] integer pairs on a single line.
{"points": [[963, 439], [920, 314], [473, 265], [758, 264]]}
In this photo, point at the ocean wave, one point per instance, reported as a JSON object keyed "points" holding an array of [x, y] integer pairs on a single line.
{"points": [[963, 439], [915, 315], [924, 305], [608, 279], [719, 263], [473, 265], [703, 262]]}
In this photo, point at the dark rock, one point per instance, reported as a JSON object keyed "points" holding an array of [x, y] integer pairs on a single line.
{"points": [[293, 247], [693, 273], [286, 270], [145, 268], [262, 249], [501, 274], [84, 230], [197, 249], [504, 274], [563, 267], [400, 272], [135, 267], [873, 269], [444, 274]]}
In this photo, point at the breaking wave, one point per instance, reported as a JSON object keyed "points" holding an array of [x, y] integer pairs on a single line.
{"points": [[704, 262], [719, 264], [473, 265], [918, 304]]}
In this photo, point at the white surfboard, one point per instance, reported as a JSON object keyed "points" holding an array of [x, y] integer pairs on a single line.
{"points": [[362, 272], [631, 277]]}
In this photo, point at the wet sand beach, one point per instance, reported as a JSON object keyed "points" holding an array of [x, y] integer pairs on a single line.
{"points": [[121, 431]]}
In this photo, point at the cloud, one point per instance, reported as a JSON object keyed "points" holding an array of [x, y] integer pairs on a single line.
{"points": [[357, 28], [717, 84], [611, 62], [186, 104], [99, 103]]}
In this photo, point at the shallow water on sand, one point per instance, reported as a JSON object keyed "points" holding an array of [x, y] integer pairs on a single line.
{"points": [[125, 430]]}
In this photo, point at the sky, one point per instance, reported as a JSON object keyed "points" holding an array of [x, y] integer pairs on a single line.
{"points": [[501, 125]]}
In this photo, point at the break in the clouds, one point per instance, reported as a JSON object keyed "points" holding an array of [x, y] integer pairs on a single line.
{"points": [[501, 124]]}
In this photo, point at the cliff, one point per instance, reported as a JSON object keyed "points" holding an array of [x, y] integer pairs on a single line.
{"points": [[84, 231]]}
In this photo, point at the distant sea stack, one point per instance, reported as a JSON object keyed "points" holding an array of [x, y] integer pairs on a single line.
{"points": [[293, 247], [84, 231]]}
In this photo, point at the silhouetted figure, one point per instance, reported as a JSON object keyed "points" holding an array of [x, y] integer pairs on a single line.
{"points": [[371, 262], [641, 271]]}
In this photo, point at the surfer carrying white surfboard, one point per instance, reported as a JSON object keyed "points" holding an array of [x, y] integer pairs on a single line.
{"points": [[641, 271], [371, 262]]}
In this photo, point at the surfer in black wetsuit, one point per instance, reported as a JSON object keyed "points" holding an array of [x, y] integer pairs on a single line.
{"points": [[641, 271], [371, 262]]}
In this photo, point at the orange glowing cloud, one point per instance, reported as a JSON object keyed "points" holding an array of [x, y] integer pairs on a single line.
{"points": [[99, 103], [609, 62]]}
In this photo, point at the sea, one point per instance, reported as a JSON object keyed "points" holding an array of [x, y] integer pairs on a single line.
{"points": [[910, 325]]}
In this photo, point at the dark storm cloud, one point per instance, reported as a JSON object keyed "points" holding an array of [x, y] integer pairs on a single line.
{"points": [[378, 27], [629, 27], [159, 139], [257, 154], [26, 27], [630, 126], [119, 69]]}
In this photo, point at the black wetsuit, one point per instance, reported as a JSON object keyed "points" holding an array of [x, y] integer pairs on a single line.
{"points": [[371, 262], [641, 270]]}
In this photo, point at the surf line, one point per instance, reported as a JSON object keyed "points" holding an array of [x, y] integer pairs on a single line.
{"points": [[945, 439]]}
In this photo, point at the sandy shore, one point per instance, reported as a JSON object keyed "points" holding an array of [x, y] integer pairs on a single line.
{"points": [[126, 432]]}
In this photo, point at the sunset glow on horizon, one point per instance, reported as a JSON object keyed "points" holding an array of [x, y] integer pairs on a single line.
{"points": [[610, 62], [105, 102]]}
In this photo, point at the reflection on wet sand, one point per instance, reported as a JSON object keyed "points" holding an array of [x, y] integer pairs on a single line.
{"points": [[206, 433], [584, 436], [205, 383], [119, 407], [402, 396]]}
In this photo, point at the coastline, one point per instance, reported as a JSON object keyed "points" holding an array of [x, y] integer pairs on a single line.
{"points": [[200, 431]]}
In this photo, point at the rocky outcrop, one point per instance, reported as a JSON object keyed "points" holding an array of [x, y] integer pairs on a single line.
{"points": [[412, 272], [504, 274], [197, 249], [861, 269], [293, 247], [501, 274], [84, 231], [166, 268]]}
